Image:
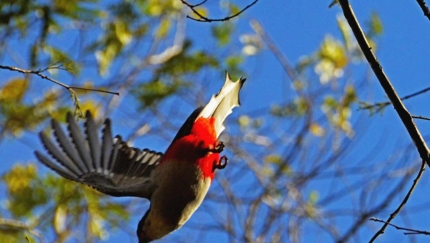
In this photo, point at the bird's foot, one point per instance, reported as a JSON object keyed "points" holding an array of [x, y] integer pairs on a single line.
{"points": [[221, 163], [217, 147]]}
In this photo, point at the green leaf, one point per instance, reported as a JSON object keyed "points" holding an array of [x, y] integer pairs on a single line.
{"points": [[153, 92], [163, 28], [222, 33], [185, 63], [24, 190], [375, 25], [13, 91]]}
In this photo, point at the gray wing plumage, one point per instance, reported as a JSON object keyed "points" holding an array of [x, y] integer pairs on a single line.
{"points": [[108, 165]]}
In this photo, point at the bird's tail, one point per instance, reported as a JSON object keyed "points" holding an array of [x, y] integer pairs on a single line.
{"points": [[221, 104]]}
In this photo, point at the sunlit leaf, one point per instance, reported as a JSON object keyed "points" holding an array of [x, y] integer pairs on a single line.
{"points": [[333, 58], [345, 30], [163, 28], [159, 7], [202, 11], [150, 93], [313, 197], [274, 159], [13, 91], [60, 57], [222, 32], [122, 32], [185, 62], [60, 218], [375, 25], [24, 189], [244, 121], [316, 130], [233, 62]]}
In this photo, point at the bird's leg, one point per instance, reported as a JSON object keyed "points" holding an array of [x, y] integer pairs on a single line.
{"points": [[221, 163]]}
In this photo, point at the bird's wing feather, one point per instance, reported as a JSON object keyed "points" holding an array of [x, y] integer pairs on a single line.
{"points": [[109, 165]]}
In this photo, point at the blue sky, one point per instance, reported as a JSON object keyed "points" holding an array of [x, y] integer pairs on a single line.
{"points": [[298, 27]]}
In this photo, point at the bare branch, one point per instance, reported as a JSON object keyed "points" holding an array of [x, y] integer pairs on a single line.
{"points": [[205, 19], [196, 5], [401, 110], [71, 89], [381, 105], [408, 231], [424, 7], [39, 73], [421, 117], [402, 204], [362, 218]]}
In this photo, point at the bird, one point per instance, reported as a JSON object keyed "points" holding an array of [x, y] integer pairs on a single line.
{"points": [[175, 182]]}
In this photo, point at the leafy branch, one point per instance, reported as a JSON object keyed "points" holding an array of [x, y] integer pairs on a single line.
{"points": [[54, 66], [206, 19], [15, 224]]}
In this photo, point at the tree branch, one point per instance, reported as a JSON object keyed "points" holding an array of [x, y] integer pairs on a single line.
{"points": [[424, 7], [381, 105], [402, 204], [409, 231], [421, 117], [40, 71], [205, 19], [401, 110]]}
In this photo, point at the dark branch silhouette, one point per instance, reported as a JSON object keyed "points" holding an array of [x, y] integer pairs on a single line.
{"points": [[408, 231], [401, 110], [54, 66], [402, 204], [206, 19], [424, 7], [380, 105], [421, 118], [71, 89]]}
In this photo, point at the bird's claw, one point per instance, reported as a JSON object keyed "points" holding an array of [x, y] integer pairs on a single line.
{"points": [[218, 147], [221, 164]]}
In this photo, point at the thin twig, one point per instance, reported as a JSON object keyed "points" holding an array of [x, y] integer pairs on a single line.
{"points": [[381, 105], [401, 110], [205, 19], [421, 117], [282, 58], [402, 204], [411, 231], [39, 73], [424, 7], [196, 5]]}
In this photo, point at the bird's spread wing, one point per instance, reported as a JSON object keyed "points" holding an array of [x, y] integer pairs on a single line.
{"points": [[108, 165]]}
